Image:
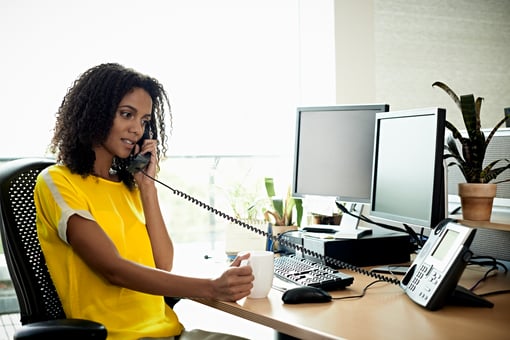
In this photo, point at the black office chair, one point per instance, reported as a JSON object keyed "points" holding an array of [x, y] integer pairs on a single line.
{"points": [[42, 315]]}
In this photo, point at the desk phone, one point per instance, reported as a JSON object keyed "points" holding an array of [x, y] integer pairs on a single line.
{"points": [[433, 276]]}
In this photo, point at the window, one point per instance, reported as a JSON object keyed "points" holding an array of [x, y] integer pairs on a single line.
{"points": [[230, 68]]}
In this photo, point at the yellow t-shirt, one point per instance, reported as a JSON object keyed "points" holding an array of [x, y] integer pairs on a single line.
{"points": [[126, 314]]}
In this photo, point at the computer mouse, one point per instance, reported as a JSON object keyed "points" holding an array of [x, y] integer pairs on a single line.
{"points": [[305, 294]]}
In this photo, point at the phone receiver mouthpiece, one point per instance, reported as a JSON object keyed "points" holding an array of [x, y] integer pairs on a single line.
{"points": [[139, 162]]}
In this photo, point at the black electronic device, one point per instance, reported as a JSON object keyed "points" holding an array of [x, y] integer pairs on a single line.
{"points": [[140, 161], [507, 114], [391, 269], [432, 278], [408, 185], [333, 158], [305, 294], [310, 273], [381, 247]]}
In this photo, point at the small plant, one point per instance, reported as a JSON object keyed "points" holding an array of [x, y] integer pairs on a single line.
{"points": [[470, 160], [282, 210]]}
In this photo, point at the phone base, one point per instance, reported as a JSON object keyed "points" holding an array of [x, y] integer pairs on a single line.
{"points": [[464, 297]]}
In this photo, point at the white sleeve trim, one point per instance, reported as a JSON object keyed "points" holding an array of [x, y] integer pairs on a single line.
{"points": [[67, 212], [64, 218]]}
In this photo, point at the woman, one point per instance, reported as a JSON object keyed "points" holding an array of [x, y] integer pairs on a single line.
{"points": [[100, 226]]}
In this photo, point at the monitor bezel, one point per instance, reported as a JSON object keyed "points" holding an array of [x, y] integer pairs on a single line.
{"points": [[378, 107], [439, 194]]}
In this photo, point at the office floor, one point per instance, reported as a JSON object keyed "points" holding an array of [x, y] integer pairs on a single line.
{"points": [[8, 323]]}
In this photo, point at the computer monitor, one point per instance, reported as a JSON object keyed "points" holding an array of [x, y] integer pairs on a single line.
{"points": [[334, 153], [408, 185]]}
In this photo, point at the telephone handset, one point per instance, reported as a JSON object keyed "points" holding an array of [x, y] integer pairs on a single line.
{"points": [[139, 162], [432, 278]]}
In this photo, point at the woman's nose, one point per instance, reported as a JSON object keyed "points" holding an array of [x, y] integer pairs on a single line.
{"points": [[138, 129]]}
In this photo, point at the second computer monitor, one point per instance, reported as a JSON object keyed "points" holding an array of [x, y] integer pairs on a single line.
{"points": [[334, 151], [408, 181]]}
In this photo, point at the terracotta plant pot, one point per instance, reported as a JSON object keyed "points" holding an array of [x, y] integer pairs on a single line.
{"points": [[476, 200], [328, 220], [280, 229]]}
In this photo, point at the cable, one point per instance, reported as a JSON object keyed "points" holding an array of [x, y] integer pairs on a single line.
{"points": [[362, 217], [497, 292], [491, 261], [455, 211], [485, 277], [284, 241], [492, 270], [362, 292]]}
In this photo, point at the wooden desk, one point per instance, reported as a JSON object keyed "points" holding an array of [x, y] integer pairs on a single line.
{"points": [[385, 312]]}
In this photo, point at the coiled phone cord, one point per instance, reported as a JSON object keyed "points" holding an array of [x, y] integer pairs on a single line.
{"points": [[281, 240]]}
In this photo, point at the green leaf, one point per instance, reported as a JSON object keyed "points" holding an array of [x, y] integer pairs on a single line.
{"points": [[500, 123], [278, 206], [289, 208], [469, 114], [299, 211], [451, 147], [488, 174], [455, 132], [269, 183], [449, 91]]}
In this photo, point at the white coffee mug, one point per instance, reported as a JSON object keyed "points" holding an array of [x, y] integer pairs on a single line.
{"points": [[262, 264]]}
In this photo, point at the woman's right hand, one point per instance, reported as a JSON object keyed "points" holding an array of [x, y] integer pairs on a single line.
{"points": [[234, 284]]}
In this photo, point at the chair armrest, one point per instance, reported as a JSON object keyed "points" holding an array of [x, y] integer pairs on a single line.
{"points": [[75, 329], [171, 301]]}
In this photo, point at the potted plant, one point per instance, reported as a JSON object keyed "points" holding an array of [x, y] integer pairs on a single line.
{"points": [[480, 186], [284, 214]]}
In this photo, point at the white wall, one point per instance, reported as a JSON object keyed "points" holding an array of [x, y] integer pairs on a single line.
{"points": [[393, 50], [355, 52], [464, 43], [317, 53]]}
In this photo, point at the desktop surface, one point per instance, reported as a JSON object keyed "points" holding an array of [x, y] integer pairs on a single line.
{"points": [[385, 312]]}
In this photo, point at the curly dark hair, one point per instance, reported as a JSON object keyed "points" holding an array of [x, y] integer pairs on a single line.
{"points": [[86, 115]]}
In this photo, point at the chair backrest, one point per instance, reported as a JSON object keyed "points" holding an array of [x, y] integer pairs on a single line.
{"points": [[37, 296]]}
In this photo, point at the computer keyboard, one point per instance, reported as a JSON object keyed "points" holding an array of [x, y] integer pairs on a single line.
{"points": [[305, 272]]}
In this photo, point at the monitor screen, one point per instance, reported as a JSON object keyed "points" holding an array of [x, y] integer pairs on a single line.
{"points": [[408, 181], [334, 151]]}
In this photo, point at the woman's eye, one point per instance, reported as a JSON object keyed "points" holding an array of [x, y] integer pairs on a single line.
{"points": [[125, 114]]}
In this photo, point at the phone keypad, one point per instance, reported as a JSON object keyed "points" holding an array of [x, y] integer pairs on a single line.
{"points": [[422, 271], [431, 276]]}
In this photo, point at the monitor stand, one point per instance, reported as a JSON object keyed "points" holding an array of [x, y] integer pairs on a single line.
{"points": [[349, 225]]}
